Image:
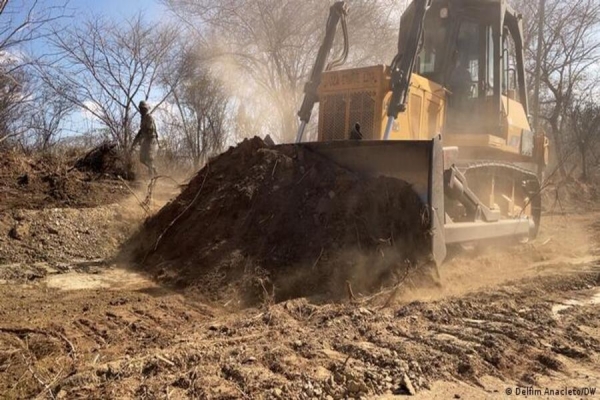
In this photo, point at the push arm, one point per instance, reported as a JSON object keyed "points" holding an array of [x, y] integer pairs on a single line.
{"points": [[404, 62], [337, 12]]}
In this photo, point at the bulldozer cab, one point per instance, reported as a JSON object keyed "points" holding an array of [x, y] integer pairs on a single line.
{"points": [[467, 83], [475, 50]]}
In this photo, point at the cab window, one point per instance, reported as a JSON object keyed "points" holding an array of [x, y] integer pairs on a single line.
{"points": [[465, 74], [509, 81]]}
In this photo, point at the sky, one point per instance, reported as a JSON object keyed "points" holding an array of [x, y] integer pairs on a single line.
{"points": [[153, 9], [80, 10]]}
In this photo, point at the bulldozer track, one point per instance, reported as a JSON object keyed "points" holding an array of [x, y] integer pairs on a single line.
{"points": [[468, 166]]}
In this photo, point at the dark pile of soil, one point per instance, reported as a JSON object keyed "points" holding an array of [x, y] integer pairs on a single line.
{"points": [[47, 181], [105, 159], [284, 222]]}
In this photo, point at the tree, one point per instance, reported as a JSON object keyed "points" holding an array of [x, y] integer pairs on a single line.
{"points": [[198, 110], [46, 115], [584, 126], [570, 50], [105, 68], [15, 92], [3, 4], [268, 47], [21, 22]]}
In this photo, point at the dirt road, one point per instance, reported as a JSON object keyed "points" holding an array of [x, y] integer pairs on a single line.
{"points": [[510, 318]]}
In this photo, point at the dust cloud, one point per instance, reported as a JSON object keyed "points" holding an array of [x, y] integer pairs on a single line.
{"points": [[562, 247]]}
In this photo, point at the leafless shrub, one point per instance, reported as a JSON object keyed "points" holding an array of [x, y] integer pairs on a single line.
{"points": [[21, 22], [195, 119]]}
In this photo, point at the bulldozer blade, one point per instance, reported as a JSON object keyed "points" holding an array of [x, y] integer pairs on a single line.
{"points": [[417, 162]]}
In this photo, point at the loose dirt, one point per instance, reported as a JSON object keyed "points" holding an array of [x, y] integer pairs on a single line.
{"points": [[90, 222], [92, 330], [74, 325], [554, 251], [131, 338], [58, 235], [283, 222], [46, 181]]}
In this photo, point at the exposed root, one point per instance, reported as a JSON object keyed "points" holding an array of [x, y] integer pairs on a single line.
{"points": [[351, 296], [207, 169]]}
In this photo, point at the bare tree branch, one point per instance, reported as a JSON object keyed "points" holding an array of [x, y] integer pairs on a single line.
{"points": [[266, 48], [571, 50], [105, 68]]}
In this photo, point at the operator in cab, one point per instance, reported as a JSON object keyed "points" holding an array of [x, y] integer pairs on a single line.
{"points": [[355, 133], [461, 84]]}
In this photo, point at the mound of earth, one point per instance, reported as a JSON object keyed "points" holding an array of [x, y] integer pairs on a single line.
{"points": [[45, 181], [282, 222], [105, 159], [59, 235]]}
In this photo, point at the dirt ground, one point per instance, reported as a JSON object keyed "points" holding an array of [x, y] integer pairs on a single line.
{"points": [[74, 325], [39, 181]]}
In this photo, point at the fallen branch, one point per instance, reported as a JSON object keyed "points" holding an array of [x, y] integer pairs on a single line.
{"points": [[303, 176], [73, 353], [269, 297], [397, 287], [50, 386], [35, 376], [149, 190], [345, 362], [152, 184], [171, 363]]}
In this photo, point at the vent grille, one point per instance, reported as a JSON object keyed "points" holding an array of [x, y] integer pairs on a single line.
{"points": [[342, 111], [334, 117], [362, 110]]}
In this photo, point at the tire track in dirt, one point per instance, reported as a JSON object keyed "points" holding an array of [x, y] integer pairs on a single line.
{"points": [[131, 344], [134, 339]]}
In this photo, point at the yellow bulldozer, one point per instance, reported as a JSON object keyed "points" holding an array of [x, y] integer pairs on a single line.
{"points": [[449, 115]]}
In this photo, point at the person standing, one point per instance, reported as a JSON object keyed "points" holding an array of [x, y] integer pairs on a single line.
{"points": [[147, 138]]}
